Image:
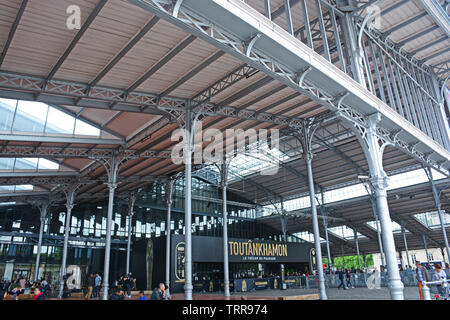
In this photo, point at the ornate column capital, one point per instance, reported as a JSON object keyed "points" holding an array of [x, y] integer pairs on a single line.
{"points": [[379, 183], [111, 186]]}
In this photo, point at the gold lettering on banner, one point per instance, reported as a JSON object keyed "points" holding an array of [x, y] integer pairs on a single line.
{"points": [[275, 249], [250, 248]]}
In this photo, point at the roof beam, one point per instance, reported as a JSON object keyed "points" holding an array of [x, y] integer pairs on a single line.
{"points": [[77, 37], [77, 152], [169, 56], [192, 73], [12, 32], [58, 139], [125, 50], [438, 14]]}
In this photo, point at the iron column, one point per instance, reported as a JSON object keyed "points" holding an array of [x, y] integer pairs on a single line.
{"points": [[70, 194], [357, 247], [380, 244], [426, 247], [112, 185], [406, 244], [188, 143], [325, 227], [308, 133], [224, 183], [168, 222], [43, 207], [131, 202], [439, 210], [370, 143]]}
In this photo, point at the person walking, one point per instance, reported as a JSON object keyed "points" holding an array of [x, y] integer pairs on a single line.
{"points": [[422, 275], [90, 285], [341, 278], [348, 277], [439, 275], [97, 284]]}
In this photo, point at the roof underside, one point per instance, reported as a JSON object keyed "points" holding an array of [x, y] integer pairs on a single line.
{"points": [[122, 46]]}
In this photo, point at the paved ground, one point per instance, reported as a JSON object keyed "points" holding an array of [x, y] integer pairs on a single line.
{"points": [[411, 293]]}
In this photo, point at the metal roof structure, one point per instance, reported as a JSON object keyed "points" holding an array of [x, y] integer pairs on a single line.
{"points": [[133, 68]]}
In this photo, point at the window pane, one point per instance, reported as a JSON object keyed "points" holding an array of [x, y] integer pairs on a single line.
{"points": [[59, 122], [83, 128], [7, 108], [45, 164], [30, 116], [7, 163], [26, 164]]}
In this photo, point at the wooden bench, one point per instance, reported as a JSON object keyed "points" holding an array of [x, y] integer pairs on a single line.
{"points": [[314, 296]]}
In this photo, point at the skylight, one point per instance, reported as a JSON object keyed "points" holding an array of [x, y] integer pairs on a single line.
{"points": [[431, 219], [396, 228], [396, 181], [345, 232], [14, 188], [307, 236], [27, 164], [38, 117]]}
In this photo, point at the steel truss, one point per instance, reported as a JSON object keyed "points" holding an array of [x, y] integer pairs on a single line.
{"points": [[210, 32], [79, 152]]}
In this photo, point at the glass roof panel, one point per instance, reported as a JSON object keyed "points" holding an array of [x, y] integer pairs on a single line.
{"points": [[38, 117], [396, 228], [345, 232], [431, 219]]}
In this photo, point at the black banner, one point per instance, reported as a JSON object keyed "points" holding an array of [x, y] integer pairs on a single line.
{"points": [[210, 249]]}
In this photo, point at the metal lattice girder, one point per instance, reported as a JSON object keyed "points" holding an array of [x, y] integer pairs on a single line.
{"points": [[65, 92], [61, 92], [230, 23], [59, 139], [55, 237], [60, 178], [78, 152]]}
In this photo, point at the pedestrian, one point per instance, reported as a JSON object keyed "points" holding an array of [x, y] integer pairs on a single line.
{"points": [[142, 295], [117, 295], [158, 293], [439, 275], [447, 270], [126, 285], [97, 284], [38, 294], [22, 283], [166, 292], [422, 275], [90, 286], [341, 278], [348, 277]]}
